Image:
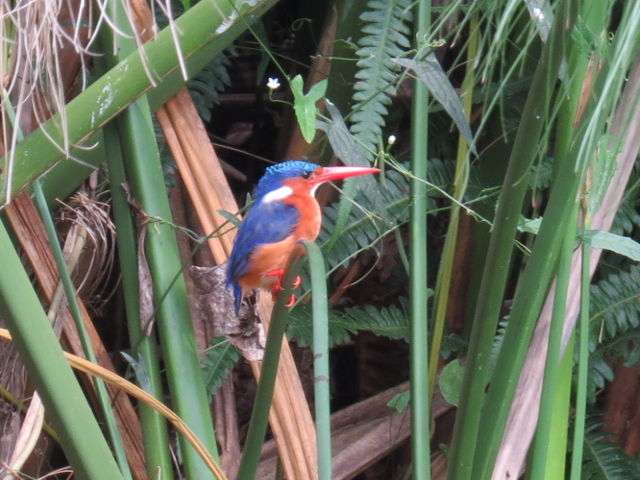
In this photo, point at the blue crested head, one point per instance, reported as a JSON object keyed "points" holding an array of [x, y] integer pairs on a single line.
{"points": [[276, 174]]}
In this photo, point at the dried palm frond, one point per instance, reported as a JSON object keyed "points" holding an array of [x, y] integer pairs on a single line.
{"points": [[38, 40], [12, 381], [90, 238]]}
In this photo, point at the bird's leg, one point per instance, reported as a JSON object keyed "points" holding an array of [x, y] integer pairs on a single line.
{"points": [[277, 286]]}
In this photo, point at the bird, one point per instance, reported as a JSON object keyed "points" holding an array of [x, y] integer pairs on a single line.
{"points": [[285, 212]]}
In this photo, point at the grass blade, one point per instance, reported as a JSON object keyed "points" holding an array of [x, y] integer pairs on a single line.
{"points": [[95, 370], [461, 179], [186, 382], [70, 292], [583, 367], [496, 267], [547, 424], [71, 417]]}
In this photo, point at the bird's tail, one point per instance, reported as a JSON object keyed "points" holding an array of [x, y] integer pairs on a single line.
{"points": [[237, 295]]}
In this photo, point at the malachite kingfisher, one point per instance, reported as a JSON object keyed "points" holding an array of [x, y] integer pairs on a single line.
{"points": [[285, 212]]}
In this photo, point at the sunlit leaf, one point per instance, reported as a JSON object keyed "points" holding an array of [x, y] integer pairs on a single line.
{"points": [[542, 16], [604, 167], [451, 381], [305, 105], [400, 401], [615, 243]]}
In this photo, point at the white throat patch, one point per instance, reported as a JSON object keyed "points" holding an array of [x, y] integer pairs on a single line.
{"points": [[277, 194], [315, 189]]}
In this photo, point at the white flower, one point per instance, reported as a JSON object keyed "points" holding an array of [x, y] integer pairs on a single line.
{"points": [[273, 83], [537, 13], [391, 140]]}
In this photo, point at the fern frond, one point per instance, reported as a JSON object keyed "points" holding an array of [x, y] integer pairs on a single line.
{"points": [[498, 340], [604, 458], [300, 327], [541, 174], [614, 324], [600, 372], [221, 356], [386, 36], [364, 230], [209, 82], [614, 305], [390, 322], [627, 217]]}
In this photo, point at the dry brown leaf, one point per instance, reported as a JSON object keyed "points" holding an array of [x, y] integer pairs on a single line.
{"points": [[215, 303]]}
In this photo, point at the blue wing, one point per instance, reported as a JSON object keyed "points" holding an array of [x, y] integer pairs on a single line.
{"points": [[265, 223]]}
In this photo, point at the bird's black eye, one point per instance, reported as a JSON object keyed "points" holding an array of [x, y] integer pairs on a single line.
{"points": [[307, 175]]}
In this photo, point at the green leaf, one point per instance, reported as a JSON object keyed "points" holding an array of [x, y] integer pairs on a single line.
{"points": [[305, 105], [451, 381], [230, 217], [434, 77], [39, 348], [110, 94], [586, 41], [140, 370], [400, 401], [596, 238], [612, 242]]}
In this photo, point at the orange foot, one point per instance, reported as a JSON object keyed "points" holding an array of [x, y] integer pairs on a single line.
{"points": [[279, 273], [277, 286]]}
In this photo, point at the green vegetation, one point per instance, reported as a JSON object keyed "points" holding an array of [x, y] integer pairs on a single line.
{"points": [[490, 263]]}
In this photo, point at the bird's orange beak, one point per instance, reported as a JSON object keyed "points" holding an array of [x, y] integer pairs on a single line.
{"points": [[330, 174]]}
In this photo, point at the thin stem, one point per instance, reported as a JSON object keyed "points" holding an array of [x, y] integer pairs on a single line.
{"points": [[322, 396], [264, 393], [583, 362], [419, 348]]}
